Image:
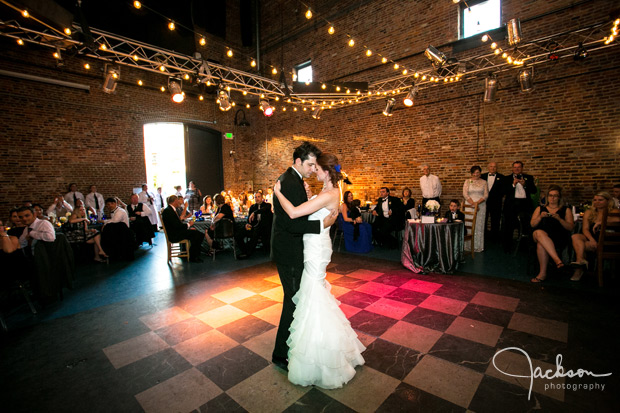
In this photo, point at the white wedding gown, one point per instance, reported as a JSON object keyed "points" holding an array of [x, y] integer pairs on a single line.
{"points": [[323, 348]]}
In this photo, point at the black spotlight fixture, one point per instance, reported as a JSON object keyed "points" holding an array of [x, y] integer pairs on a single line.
{"points": [[389, 107], [581, 53]]}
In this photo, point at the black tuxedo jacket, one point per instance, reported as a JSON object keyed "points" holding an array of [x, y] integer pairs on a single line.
{"points": [[459, 214], [497, 191], [397, 207], [175, 229], [287, 244], [264, 210], [132, 212], [509, 190]]}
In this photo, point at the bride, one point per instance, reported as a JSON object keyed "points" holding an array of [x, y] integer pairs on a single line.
{"points": [[323, 348]]}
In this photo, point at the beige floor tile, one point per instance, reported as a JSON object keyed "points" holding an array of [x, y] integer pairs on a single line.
{"points": [[365, 274], [267, 391], [233, 295], [366, 390], [413, 336], [337, 290], [515, 362], [390, 308], [443, 305], [222, 315], [165, 318], [204, 347], [421, 286], [365, 338], [184, 392], [134, 349], [543, 327], [496, 301], [263, 344], [270, 314], [443, 379], [377, 289], [475, 330], [276, 294], [274, 279], [348, 310]]}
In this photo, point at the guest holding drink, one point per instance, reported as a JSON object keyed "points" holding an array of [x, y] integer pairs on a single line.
{"points": [[552, 224]]}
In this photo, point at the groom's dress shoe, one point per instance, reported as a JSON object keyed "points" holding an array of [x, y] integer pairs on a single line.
{"points": [[280, 362]]}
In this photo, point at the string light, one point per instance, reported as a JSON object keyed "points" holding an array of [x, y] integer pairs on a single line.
{"points": [[163, 89], [137, 4], [20, 42], [396, 66], [57, 55], [140, 83], [103, 46], [253, 63], [186, 76], [201, 98], [25, 14], [331, 30], [162, 68], [135, 57], [274, 71], [351, 42], [86, 66], [368, 52], [171, 25], [229, 53], [202, 41], [384, 60], [309, 14], [323, 86], [67, 31]]}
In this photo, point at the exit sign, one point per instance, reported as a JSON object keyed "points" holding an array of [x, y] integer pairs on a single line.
{"points": [[228, 135]]}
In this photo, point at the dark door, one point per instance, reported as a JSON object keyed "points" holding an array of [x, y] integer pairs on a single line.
{"points": [[203, 159]]}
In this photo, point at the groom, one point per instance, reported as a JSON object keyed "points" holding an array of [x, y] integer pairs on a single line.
{"points": [[287, 245]]}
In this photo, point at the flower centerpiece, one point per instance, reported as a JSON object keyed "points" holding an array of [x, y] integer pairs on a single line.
{"points": [[432, 211]]}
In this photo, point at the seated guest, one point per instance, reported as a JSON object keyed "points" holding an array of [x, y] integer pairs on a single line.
{"points": [[223, 211], [77, 232], [116, 211], [552, 225], [60, 208], [36, 229], [73, 195], [258, 226], [139, 221], [616, 195], [389, 217], [12, 259], [89, 211], [588, 239], [94, 201], [207, 207], [408, 202], [454, 212], [17, 227], [351, 213], [117, 240], [357, 234], [178, 231], [38, 212]]}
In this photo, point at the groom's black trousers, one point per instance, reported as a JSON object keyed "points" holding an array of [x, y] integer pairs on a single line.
{"points": [[290, 276]]}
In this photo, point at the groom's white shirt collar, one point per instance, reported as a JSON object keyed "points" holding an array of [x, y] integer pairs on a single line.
{"points": [[300, 177]]}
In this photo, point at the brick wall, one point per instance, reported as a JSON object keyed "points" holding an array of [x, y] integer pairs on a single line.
{"points": [[566, 131]]}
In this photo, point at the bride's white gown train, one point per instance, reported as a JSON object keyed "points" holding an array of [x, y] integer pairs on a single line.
{"points": [[323, 348]]}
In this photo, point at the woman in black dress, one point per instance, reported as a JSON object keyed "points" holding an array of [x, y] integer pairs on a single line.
{"points": [[223, 211], [76, 230], [552, 225]]}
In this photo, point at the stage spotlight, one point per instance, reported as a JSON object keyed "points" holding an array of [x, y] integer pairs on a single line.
{"points": [[490, 88], [514, 31], [267, 110], [176, 89], [389, 107], [112, 75], [581, 53], [223, 98], [410, 96], [317, 113], [526, 79], [435, 56]]}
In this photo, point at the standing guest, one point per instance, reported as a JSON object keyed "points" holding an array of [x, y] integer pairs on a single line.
{"points": [[178, 190], [258, 226], [518, 205], [590, 232], [159, 203], [147, 198], [616, 195], [17, 227], [95, 201], [453, 213], [495, 182], [139, 220], [476, 192], [59, 208], [36, 229], [73, 195], [207, 207], [76, 230], [430, 186], [552, 225], [408, 202], [178, 231], [193, 196], [389, 217]]}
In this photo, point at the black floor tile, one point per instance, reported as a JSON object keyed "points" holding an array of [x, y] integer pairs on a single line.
{"points": [[371, 323], [391, 359], [408, 399], [246, 328], [429, 318], [539, 348], [394, 279], [317, 401], [463, 352], [407, 296], [253, 304], [358, 299], [232, 367], [222, 403], [183, 330], [487, 314], [456, 292]]}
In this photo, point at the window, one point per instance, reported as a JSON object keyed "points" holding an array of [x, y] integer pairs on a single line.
{"points": [[480, 17], [304, 72]]}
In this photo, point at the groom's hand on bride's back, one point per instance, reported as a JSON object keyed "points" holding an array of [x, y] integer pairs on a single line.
{"points": [[329, 220]]}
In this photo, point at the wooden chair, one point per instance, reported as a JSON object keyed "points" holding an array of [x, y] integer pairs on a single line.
{"points": [[225, 230], [470, 223], [174, 248], [608, 243]]}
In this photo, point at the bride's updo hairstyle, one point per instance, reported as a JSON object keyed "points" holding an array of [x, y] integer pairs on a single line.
{"points": [[328, 163]]}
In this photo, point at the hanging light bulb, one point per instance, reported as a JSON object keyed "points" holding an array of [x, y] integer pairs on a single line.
{"points": [[368, 52], [137, 4], [20, 42], [351, 42], [140, 83], [86, 66], [25, 13], [253, 63], [229, 53], [309, 14], [490, 89], [201, 98], [202, 41], [331, 30], [67, 31], [274, 71], [171, 25], [384, 60]]}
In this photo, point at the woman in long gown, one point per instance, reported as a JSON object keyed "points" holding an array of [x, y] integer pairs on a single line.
{"points": [[476, 192], [323, 348]]}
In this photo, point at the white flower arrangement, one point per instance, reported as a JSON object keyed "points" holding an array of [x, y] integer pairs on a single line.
{"points": [[432, 205], [63, 219]]}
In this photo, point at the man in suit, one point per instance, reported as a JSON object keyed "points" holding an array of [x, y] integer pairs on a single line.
{"points": [[287, 245], [138, 220], [518, 188], [495, 184], [178, 231], [258, 226], [389, 216]]}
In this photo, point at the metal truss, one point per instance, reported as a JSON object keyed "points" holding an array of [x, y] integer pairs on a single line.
{"points": [[115, 49]]}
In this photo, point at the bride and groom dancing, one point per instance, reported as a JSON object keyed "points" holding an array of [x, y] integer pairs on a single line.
{"points": [[315, 342]]}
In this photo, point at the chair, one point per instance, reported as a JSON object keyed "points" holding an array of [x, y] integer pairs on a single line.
{"points": [[174, 248], [471, 214], [608, 246], [339, 232], [225, 230]]}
